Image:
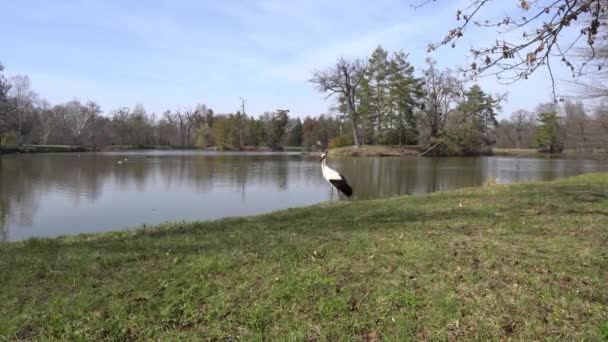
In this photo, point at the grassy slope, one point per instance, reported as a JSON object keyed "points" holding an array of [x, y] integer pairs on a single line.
{"points": [[523, 261]]}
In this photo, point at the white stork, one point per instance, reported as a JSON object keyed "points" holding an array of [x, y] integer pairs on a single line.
{"points": [[334, 178]]}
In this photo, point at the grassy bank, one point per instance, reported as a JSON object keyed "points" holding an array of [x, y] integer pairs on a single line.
{"points": [[134, 147], [167, 147], [527, 262], [528, 152], [42, 149], [523, 152], [376, 151]]}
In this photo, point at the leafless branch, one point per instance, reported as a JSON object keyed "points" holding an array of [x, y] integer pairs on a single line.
{"points": [[542, 26]]}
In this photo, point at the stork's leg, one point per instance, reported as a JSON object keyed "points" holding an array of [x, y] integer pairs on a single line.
{"points": [[331, 197]]}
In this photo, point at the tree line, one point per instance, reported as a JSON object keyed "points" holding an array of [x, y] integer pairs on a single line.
{"points": [[378, 100], [384, 102], [26, 118], [553, 127]]}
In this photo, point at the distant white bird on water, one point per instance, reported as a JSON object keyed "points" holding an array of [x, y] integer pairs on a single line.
{"points": [[334, 178]]}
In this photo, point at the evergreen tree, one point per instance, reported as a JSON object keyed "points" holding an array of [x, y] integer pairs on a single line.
{"points": [[547, 136], [254, 132], [377, 77], [388, 98], [365, 112], [406, 94], [276, 124], [475, 131]]}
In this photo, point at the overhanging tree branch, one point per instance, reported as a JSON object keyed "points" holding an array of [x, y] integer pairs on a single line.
{"points": [[542, 27]]}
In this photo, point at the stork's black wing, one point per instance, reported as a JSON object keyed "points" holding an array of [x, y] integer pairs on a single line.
{"points": [[342, 185]]}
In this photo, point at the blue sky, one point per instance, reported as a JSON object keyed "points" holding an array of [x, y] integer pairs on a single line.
{"points": [[170, 54]]}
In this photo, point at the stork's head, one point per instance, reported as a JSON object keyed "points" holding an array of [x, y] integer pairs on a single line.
{"points": [[323, 156]]}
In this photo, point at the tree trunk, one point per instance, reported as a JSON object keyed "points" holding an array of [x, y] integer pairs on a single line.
{"points": [[355, 135], [434, 132], [351, 110]]}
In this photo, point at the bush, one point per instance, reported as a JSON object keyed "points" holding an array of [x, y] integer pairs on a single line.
{"points": [[339, 141], [8, 138], [388, 137]]}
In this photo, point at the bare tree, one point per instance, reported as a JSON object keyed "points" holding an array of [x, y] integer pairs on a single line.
{"points": [[521, 121], [47, 121], [343, 80], [547, 107], [547, 30], [576, 124], [442, 91], [78, 119], [178, 119], [5, 103], [505, 134], [192, 119], [120, 125], [139, 125], [24, 98], [600, 127]]}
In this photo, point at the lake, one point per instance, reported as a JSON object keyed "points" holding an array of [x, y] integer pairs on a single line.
{"points": [[59, 194]]}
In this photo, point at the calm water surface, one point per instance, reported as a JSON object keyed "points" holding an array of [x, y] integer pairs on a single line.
{"points": [[59, 194]]}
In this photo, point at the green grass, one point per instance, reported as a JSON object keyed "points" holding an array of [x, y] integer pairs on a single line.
{"points": [[521, 262], [529, 152], [377, 151], [522, 152]]}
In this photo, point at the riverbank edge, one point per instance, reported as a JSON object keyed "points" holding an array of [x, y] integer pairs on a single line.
{"points": [[416, 151], [349, 151], [26, 149], [511, 152], [314, 271], [377, 151]]}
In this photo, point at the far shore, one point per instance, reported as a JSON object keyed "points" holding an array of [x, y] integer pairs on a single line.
{"points": [[417, 150], [350, 151], [16, 149], [528, 152], [10, 149]]}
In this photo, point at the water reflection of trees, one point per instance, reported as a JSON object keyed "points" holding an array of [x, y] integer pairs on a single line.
{"points": [[204, 172], [383, 177], [27, 180], [24, 180]]}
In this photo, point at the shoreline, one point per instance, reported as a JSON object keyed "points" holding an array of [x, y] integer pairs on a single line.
{"points": [[349, 151], [377, 151], [33, 149]]}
